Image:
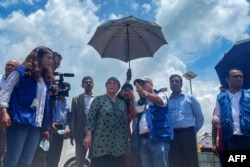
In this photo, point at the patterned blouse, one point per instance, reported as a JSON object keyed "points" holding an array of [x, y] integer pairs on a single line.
{"points": [[109, 125]]}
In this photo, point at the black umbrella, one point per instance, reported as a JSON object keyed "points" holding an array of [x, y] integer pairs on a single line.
{"points": [[127, 39], [237, 57]]}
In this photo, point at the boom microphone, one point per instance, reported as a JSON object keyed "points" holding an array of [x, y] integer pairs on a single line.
{"points": [[68, 75], [64, 74]]}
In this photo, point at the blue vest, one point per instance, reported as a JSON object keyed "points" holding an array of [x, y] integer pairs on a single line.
{"points": [[159, 124], [226, 114], [21, 99]]}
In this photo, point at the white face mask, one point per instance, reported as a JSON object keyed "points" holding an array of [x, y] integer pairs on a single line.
{"points": [[44, 144]]}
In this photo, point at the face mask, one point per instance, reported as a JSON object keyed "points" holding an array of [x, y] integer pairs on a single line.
{"points": [[44, 144]]}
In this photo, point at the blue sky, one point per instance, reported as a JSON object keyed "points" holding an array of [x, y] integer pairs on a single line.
{"points": [[198, 32]]}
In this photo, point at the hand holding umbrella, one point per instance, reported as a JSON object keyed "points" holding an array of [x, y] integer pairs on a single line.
{"points": [[129, 74]]}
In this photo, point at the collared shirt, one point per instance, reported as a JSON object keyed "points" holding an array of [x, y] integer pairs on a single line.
{"points": [[185, 111], [62, 112], [235, 102], [87, 101], [8, 87], [3, 79]]}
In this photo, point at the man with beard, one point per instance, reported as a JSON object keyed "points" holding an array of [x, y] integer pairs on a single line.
{"points": [[79, 110], [232, 113]]}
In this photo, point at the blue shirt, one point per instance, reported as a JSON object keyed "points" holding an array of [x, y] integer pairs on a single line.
{"points": [[185, 111], [61, 113]]}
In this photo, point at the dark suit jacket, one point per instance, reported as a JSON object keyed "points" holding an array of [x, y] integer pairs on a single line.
{"points": [[78, 118]]}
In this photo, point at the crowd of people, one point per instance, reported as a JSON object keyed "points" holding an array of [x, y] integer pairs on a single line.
{"points": [[117, 130]]}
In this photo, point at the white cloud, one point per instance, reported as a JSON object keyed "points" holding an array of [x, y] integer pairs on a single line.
{"points": [[65, 27], [146, 7], [7, 3], [194, 28], [30, 2], [191, 27], [134, 5], [114, 16]]}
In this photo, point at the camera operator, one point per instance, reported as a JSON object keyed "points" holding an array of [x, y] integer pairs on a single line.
{"points": [[39, 159], [60, 126]]}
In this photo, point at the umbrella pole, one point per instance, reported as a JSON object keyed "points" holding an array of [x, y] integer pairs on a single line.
{"points": [[127, 50]]}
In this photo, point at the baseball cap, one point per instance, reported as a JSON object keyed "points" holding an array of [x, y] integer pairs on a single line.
{"points": [[143, 79]]}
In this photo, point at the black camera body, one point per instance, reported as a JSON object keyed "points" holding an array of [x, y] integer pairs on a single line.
{"points": [[59, 87]]}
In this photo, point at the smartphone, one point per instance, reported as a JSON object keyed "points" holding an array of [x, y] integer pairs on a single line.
{"points": [[59, 126]]}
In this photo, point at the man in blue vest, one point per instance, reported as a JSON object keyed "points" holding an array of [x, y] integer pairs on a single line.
{"points": [[155, 129], [232, 113]]}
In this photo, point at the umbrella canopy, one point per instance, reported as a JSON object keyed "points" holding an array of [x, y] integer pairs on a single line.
{"points": [[237, 57], [127, 39]]}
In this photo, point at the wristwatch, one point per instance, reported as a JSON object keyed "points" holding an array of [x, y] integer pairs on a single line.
{"points": [[145, 93]]}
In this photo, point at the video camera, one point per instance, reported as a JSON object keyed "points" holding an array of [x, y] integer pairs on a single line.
{"points": [[59, 87]]}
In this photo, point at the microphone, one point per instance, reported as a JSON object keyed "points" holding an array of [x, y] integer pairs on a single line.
{"points": [[56, 73], [68, 74], [63, 74]]}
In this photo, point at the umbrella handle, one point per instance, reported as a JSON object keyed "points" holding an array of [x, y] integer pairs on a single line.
{"points": [[129, 74]]}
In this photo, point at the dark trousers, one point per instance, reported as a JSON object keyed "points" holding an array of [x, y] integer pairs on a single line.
{"points": [[54, 153], [136, 157], [237, 143], [39, 159], [221, 155], [183, 149], [2, 146], [107, 161]]}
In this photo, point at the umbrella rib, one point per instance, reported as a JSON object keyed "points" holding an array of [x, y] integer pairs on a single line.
{"points": [[159, 37], [147, 46]]}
